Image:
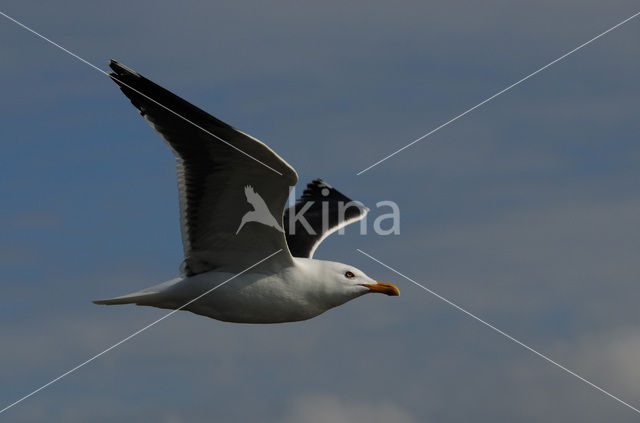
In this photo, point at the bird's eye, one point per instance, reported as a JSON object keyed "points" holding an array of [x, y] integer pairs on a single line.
{"points": [[349, 275]]}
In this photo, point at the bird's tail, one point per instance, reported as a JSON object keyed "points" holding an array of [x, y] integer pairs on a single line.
{"points": [[135, 298], [148, 296]]}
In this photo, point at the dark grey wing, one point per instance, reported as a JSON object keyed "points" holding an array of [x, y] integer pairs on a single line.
{"points": [[215, 163], [304, 226]]}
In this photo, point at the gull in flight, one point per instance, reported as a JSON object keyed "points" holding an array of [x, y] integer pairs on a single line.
{"points": [[233, 191]]}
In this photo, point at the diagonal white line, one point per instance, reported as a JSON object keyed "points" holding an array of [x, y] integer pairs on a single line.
{"points": [[489, 325], [498, 93], [133, 334], [133, 89]]}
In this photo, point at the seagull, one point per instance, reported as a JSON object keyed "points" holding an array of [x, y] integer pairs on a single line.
{"points": [[241, 269]]}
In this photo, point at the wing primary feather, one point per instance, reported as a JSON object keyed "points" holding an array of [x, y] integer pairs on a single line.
{"points": [[121, 71], [325, 210]]}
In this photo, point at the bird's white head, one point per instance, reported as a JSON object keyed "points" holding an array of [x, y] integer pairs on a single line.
{"points": [[346, 280], [351, 276]]}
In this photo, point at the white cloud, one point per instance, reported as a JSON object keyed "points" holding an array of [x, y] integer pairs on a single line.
{"points": [[610, 358], [322, 408]]}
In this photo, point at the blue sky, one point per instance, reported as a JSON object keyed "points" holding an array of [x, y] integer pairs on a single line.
{"points": [[525, 211]]}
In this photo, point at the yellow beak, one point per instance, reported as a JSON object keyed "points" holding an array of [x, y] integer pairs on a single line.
{"points": [[383, 288]]}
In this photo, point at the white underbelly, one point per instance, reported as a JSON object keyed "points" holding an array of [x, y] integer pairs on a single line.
{"points": [[248, 298]]}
